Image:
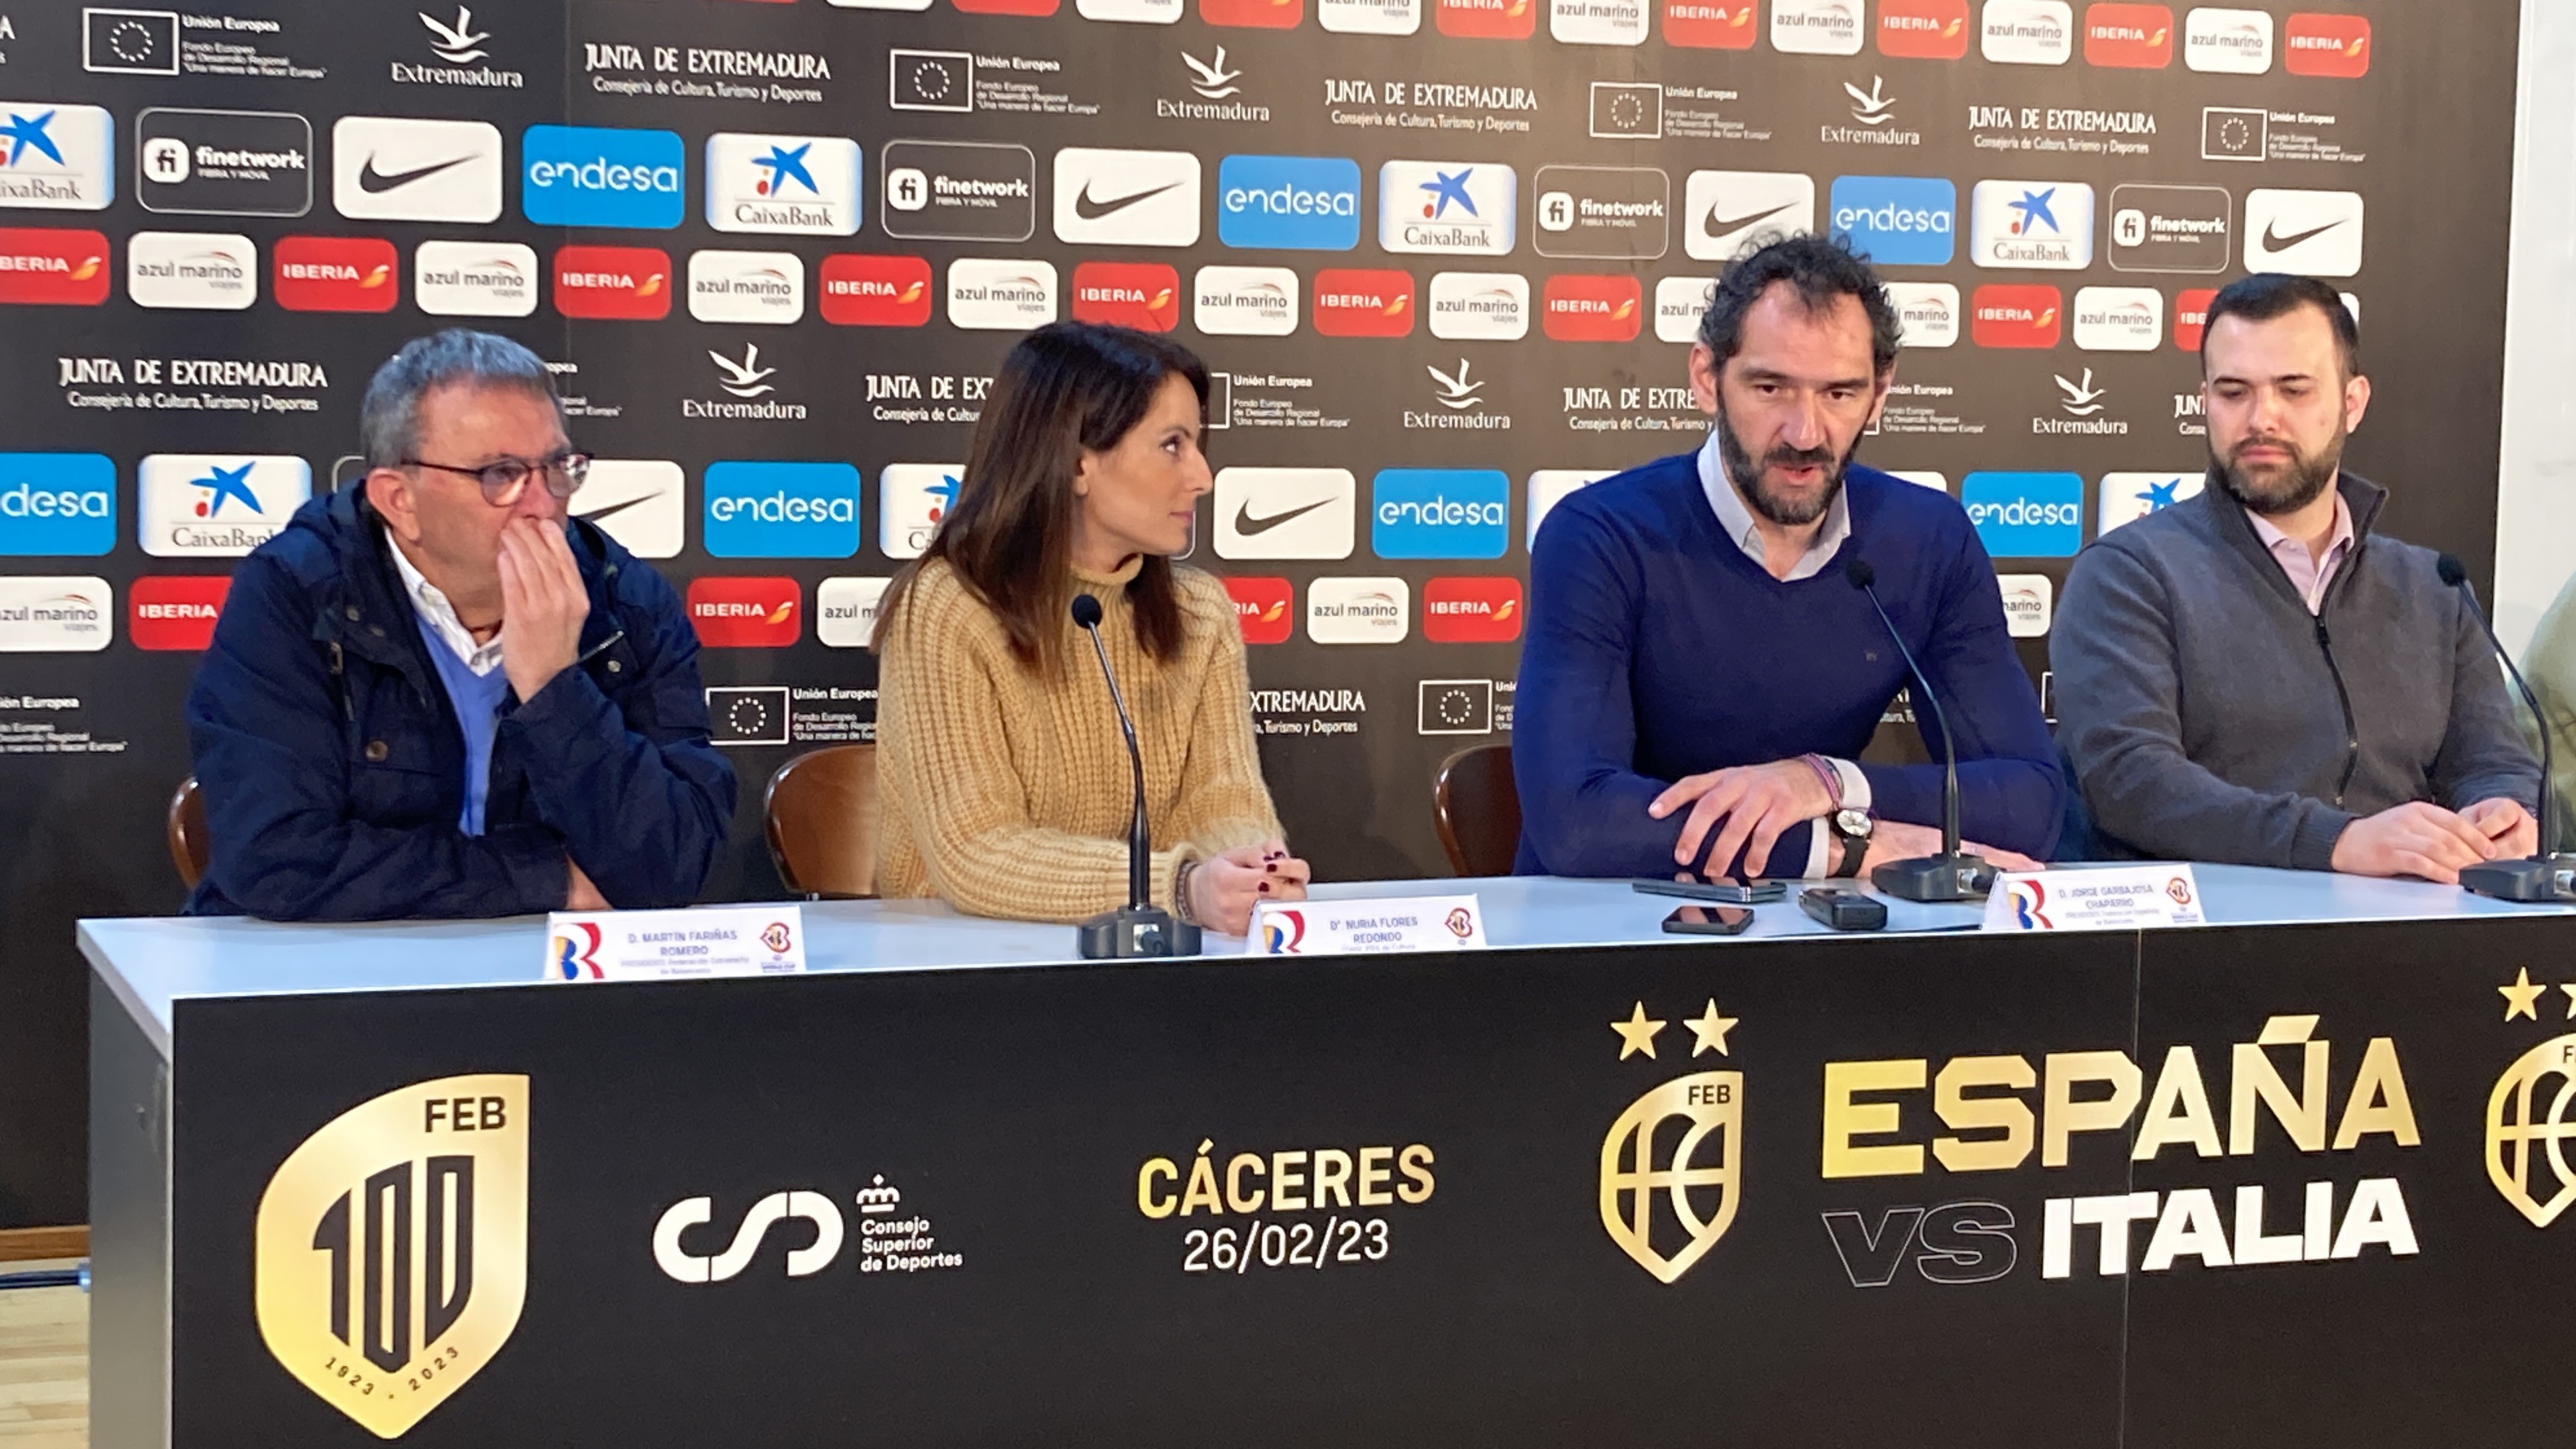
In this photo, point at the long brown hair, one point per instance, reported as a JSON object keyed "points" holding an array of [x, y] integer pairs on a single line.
{"points": [[1066, 388]]}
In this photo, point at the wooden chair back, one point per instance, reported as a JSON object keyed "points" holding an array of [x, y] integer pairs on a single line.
{"points": [[821, 821]]}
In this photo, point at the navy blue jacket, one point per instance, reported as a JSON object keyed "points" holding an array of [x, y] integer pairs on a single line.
{"points": [[333, 770], [1657, 649]]}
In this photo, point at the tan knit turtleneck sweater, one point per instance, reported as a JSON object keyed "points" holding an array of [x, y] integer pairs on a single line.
{"points": [[1007, 794]]}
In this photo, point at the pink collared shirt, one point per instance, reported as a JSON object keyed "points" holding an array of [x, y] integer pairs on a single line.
{"points": [[2307, 573]]}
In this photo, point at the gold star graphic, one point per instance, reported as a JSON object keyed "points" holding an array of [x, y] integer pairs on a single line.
{"points": [[1636, 1034], [2522, 998], [2570, 988], [1710, 1030]]}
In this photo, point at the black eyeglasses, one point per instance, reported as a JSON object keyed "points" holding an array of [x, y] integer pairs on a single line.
{"points": [[505, 480]]}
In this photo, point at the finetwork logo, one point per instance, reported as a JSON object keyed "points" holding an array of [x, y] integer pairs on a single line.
{"points": [[958, 191], [57, 504], [912, 500], [457, 45], [1286, 513], [747, 383], [2032, 224], [1480, 306], [223, 163], [2128, 497], [2026, 515], [2081, 402], [1731, 211], [56, 158], [792, 185], [1440, 513], [391, 168], [474, 279], [1245, 301], [1293, 203], [195, 505], [782, 510], [2170, 228], [1897, 221], [1603, 212], [1458, 208], [46, 266], [603, 176], [760, 288], [1873, 113]]}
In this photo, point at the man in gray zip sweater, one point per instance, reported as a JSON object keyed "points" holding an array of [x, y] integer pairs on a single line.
{"points": [[2252, 675]]}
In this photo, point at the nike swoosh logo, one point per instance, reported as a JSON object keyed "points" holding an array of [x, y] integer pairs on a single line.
{"points": [[373, 181], [1246, 526], [597, 514], [2273, 241], [1089, 210], [1721, 225]]}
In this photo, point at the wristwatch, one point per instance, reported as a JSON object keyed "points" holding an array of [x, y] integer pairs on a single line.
{"points": [[1852, 828]]}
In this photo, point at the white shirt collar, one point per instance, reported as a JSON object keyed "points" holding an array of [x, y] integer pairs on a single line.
{"points": [[1738, 520], [439, 616]]}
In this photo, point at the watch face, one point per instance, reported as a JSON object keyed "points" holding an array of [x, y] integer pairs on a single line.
{"points": [[1851, 823]]}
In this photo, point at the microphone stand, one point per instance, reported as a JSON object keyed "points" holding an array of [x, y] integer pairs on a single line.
{"points": [[1949, 876], [2546, 876], [1138, 929]]}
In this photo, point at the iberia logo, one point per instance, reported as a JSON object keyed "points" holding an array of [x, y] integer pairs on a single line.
{"points": [[1923, 29], [1261, 606], [577, 954], [2327, 45], [1351, 302], [336, 274], [619, 283], [1252, 14], [1711, 24], [2191, 316], [46, 266], [1589, 308], [175, 612], [2128, 37], [2015, 316], [1493, 19], [1472, 610], [745, 613], [1142, 295], [860, 290]]}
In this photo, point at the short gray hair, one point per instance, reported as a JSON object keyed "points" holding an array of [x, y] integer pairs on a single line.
{"points": [[389, 418]]}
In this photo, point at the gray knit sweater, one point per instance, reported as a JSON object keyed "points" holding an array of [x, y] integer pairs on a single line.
{"points": [[2209, 717]]}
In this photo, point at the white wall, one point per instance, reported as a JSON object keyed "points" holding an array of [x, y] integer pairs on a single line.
{"points": [[2536, 495]]}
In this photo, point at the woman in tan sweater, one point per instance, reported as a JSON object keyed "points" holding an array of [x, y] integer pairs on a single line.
{"points": [[1002, 773]]}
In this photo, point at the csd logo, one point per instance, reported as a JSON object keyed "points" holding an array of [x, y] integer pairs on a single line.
{"points": [[391, 1250], [1700, 1181], [2529, 1124]]}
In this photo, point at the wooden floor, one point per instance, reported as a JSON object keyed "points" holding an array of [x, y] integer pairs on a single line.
{"points": [[44, 1365]]}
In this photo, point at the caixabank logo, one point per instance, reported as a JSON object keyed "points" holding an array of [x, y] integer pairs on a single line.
{"points": [[56, 157], [1666, 1207], [390, 1256]]}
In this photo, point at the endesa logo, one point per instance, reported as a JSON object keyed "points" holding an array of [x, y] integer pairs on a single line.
{"points": [[602, 176], [745, 613], [1491, 19], [2016, 316], [1923, 29], [2191, 316], [782, 510], [1471, 610], [2129, 37], [1583, 308], [41, 266], [1251, 14], [1356, 303], [1295, 203], [1142, 295], [875, 291], [625, 283], [1440, 513], [337, 274], [2026, 515], [57, 504], [2327, 45], [1265, 608], [1710, 24], [1897, 221], [175, 613]]}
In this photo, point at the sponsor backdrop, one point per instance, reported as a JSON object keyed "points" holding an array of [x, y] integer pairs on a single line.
{"points": [[1445, 256], [2289, 1186]]}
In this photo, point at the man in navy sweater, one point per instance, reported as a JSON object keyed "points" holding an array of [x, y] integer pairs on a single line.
{"points": [[1700, 673]]}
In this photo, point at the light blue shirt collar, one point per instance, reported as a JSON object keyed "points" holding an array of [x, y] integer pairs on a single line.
{"points": [[1734, 516]]}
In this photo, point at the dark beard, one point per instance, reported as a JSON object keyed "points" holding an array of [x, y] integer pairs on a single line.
{"points": [[2292, 488], [1749, 480]]}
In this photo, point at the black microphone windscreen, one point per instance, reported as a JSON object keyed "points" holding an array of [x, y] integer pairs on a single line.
{"points": [[1086, 611], [2453, 572], [1860, 573]]}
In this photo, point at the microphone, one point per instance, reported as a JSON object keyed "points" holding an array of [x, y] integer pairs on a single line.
{"points": [[1948, 876], [1137, 929], [2542, 877]]}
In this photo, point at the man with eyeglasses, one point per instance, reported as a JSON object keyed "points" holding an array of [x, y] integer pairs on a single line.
{"points": [[435, 695]]}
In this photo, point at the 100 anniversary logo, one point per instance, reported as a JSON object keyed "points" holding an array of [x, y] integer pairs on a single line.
{"points": [[392, 1248]]}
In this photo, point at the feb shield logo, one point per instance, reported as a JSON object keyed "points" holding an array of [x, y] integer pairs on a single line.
{"points": [[1671, 1171], [391, 1252], [2531, 1119]]}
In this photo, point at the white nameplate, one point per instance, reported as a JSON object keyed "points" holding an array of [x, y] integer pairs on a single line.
{"points": [[2095, 898], [1338, 928], [664, 945]]}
